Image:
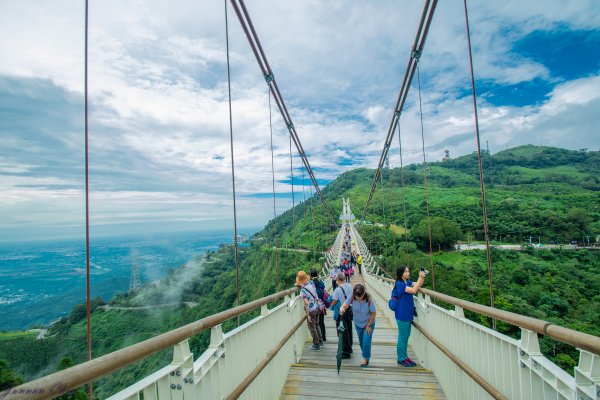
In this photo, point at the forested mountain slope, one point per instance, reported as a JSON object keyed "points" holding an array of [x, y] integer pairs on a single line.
{"points": [[548, 193]]}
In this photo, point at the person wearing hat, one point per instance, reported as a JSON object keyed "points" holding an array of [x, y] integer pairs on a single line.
{"points": [[313, 307]]}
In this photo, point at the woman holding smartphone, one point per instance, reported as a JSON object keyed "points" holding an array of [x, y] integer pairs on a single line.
{"points": [[405, 312]]}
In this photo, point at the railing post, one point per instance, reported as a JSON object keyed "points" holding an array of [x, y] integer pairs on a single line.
{"points": [[529, 343], [216, 337], [459, 312], [264, 310], [182, 357], [587, 376]]}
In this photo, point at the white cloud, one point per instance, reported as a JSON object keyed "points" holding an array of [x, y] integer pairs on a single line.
{"points": [[159, 121]]}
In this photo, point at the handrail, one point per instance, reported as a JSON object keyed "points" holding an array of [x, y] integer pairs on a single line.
{"points": [[485, 385], [259, 368], [565, 335], [66, 380]]}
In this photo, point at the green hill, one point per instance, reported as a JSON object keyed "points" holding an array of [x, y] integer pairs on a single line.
{"points": [[531, 191]]}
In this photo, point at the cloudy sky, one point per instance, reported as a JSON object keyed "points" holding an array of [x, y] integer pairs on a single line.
{"points": [[158, 122]]}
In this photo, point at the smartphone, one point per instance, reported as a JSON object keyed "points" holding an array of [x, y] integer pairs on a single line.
{"points": [[424, 270]]}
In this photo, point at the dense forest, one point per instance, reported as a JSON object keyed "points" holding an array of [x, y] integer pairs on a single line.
{"points": [[533, 194]]}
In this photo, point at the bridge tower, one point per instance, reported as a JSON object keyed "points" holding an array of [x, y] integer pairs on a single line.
{"points": [[346, 216]]}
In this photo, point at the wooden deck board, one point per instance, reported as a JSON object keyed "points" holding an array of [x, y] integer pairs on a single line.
{"points": [[316, 377]]}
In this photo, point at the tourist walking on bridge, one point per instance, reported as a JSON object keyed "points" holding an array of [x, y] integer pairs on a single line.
{"points": [[343, 292], [333, 275], [405, 312], [363, 315], [312, 306], [320, 285]]}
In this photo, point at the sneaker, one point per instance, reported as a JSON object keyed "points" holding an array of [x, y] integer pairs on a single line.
{"points": [[363, 365], [411, 361], [315, 347], [406, 363], [346, 356], [321, 344]]}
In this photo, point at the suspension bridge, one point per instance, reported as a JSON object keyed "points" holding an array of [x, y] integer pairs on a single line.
{"points": [[268, 357]]}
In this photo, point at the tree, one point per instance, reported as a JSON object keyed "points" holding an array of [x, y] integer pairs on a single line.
{"points": [[8, 379], [579, 219], [444, 233]]}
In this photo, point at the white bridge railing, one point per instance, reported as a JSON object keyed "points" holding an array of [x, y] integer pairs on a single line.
{"points": [[229, 359], [227, 369], [510, 368]]}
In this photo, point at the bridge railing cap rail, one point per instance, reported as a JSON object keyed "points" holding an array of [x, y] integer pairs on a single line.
{"points": [[81, 374], [565, 335]]}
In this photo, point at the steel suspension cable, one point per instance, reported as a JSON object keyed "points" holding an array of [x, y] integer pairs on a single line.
{"points": [[416, 51], [87, 207], [426, 183], [403, 193], [385, 235], [385, 231], [293, 199], [392, 234], [235, 236], [312, 220], [274, 202], [481, 183], [248, 28], [303, 188]]}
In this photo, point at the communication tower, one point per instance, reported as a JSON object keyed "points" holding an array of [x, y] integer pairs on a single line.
{"points": [[135, 284]]}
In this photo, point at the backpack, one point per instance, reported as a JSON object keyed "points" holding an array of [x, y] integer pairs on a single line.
{"points": [[324, 296], [394, 299]]}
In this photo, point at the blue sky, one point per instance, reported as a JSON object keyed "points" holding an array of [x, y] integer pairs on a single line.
{"points": [[159, 135]]}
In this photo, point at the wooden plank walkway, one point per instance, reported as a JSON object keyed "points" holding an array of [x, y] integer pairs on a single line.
{"points": [[315, 376]]}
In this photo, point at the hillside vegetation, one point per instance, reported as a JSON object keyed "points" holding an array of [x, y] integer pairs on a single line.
{"points": [[548, 193]]}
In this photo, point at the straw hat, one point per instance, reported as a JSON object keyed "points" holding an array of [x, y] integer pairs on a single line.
{"points": [[302, 278]]}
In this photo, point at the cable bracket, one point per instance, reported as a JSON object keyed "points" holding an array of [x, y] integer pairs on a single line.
{"points": [[290, 126], [269, 77], [416, 54]]}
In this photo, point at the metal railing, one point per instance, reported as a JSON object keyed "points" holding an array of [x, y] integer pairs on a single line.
{"points": [[515, 369], [491, 365], [218, 371]]}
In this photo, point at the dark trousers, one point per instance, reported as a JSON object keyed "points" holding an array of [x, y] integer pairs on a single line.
{"points": [[347, 335], [322, 326], [334, 284]]}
